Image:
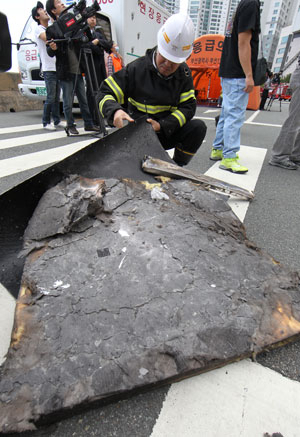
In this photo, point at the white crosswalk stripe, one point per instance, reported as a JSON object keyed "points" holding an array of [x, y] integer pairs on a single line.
{"points": [[245, 398], [33, 139], [254, 158], [16, 129], [7, 308], [21, 163]]}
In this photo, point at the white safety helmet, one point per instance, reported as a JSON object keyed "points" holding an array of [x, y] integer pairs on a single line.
{"points": [[175, 38]]}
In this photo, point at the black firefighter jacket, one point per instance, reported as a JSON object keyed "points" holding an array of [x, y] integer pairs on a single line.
{"points": [[140, 89]]}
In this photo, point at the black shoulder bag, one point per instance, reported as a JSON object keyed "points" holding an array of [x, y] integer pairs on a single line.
{"points": [[260, 70]]}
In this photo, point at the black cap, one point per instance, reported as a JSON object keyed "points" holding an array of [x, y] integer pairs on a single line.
{"points": [[34, 11]]}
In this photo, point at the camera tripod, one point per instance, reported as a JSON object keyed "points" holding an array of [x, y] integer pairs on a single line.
{"points": [[90, 74], [93, 84], [273, 97]]}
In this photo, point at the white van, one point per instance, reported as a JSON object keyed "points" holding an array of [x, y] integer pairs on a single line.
{"points": [[133, 24]]}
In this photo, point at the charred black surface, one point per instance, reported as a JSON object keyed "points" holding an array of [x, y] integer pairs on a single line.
{"points": [[118, 155], [122, 292]]}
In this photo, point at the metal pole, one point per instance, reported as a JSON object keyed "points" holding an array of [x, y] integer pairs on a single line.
{"points": [[93, 84]]}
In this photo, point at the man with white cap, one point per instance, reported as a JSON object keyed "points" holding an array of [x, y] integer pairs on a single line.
{"points": [[159, 85]]}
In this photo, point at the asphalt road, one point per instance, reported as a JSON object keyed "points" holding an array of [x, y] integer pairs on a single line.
{"points": [[272, 223]]}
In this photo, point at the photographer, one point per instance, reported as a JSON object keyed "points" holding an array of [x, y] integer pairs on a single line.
{"points": [[267, 87], [97, 45], [276, 78], [68, 69]]}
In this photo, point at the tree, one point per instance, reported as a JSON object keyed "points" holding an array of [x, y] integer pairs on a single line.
{"points": [[286, 79]]}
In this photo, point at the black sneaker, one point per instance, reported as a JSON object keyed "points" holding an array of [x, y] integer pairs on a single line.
{"points": [[92, 128], [72, 130], [283, 163]]}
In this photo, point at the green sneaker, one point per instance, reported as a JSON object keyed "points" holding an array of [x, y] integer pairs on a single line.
{"points": [[232, 164], [216, 155]]}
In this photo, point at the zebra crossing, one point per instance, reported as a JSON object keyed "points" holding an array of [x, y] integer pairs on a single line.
{"points": [[243, 399]]}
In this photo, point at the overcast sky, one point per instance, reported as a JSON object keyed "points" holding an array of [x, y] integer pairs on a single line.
{"points": [[18, 11]]}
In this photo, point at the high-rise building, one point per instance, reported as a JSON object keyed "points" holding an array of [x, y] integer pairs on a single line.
{"points": [[211, 16], [173, 6], [280, 51], [293, 49], [288, 48], [193, 10], [276, 14]]}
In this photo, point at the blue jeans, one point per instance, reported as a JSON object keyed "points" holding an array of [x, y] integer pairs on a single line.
{"points": [[235, 100], [68, 88], [51, 105]]}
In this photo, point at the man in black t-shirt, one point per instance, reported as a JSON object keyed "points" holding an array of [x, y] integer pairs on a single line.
{"points": [[238, 62]]}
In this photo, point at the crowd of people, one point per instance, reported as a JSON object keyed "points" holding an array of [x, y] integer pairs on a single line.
{"points": [[63, 64], [160, 85]]}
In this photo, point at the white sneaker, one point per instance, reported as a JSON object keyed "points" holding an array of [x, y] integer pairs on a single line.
{"points": [[60, 125], [49, 126]]}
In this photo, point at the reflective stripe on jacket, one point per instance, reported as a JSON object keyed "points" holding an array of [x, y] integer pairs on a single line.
{"points": [[140, 89]]}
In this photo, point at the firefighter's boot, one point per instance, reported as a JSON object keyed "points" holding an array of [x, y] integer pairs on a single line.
{"points": [[182, 158]]}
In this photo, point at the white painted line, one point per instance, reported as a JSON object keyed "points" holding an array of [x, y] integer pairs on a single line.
{"points": [[246, 122], [212, 110], [251, 157], [263, 124], [33, 139], [204, 118], [253, 116], [7, 311], [31, 160], [15, 129], [243, 399]]}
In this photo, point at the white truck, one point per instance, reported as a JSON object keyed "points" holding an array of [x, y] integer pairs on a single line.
{"points": [[132, 24]]}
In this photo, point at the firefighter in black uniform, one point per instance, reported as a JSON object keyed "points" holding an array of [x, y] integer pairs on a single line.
{"points": [[160, 85]]}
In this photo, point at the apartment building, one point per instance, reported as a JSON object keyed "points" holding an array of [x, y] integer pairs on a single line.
{"points": [[276, 15], [211, 16], [173, 6], [288, 47]]}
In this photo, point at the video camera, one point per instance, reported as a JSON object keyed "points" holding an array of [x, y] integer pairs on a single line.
{"points": [[276, 78], [73, 20]]}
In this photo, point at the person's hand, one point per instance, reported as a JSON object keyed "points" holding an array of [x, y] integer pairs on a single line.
{"points": [[53, 45], [95, 41], [119, 116], [249, 85], [155, 125]]}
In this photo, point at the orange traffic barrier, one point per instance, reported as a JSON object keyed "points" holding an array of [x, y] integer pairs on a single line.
{"points": [[254, 99]]}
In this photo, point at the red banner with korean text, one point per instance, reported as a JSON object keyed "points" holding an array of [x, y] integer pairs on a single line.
{"points": [[204, 63]]}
